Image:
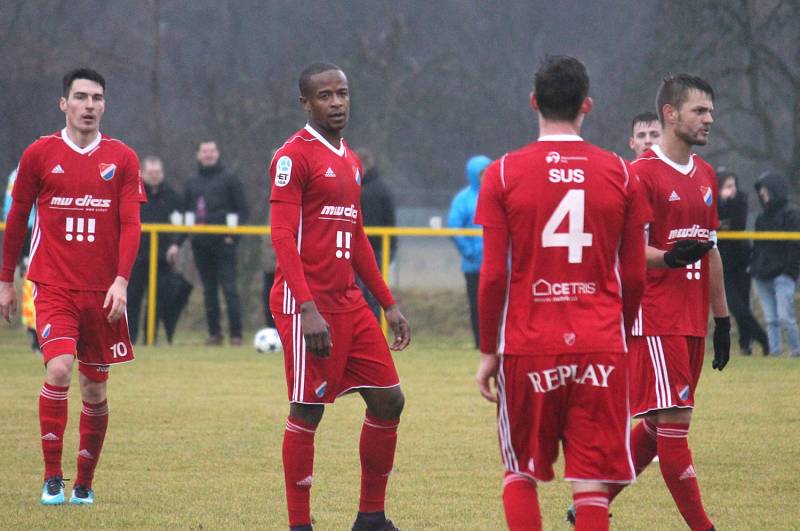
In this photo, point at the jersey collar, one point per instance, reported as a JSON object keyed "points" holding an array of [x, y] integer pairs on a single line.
{"points": [[560, 138], [325, 143], [685, 169], [75, 147]]}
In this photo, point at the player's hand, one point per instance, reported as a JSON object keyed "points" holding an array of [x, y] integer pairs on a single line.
{"points": [[172, 254], [8, 300], [487, 372], [722, 342], [400, 328], [316, 331], [116, 299], [686, 252]]}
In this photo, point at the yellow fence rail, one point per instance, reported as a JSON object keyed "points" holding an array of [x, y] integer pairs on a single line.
{"points": [[384, 232]]}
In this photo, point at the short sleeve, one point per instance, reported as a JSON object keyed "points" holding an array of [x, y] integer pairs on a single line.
{"points": [[491, 211], [289, 175], [132, 188], [639, 211], [26, 186]]}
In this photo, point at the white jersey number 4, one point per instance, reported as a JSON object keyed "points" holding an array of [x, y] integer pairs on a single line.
{"points": [[572, 205]]}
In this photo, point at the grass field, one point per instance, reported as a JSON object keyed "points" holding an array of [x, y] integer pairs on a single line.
{"points": [[195, 435]]}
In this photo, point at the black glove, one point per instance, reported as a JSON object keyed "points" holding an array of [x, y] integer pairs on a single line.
{"points": [[686, 252], [722, 342]]}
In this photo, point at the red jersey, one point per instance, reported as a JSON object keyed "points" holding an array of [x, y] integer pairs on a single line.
{"points": [[684, 203], [564, 204], [326, 182], [77, 193]]}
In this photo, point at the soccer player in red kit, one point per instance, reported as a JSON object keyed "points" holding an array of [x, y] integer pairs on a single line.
{"points": [[563, 271], [331, 340], [669, 333], [87, 190]]}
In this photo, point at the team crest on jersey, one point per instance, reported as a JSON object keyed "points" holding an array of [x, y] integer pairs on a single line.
{"points": [[46, 331], [283, 171], [107, 171], [320, 390], [708, 197], [358, 177], [683, 393]]}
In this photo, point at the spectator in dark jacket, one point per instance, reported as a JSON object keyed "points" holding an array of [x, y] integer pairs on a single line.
{"points": [[732, 207], [775, 264], [162, 201], [378, 210], [215, 196]]}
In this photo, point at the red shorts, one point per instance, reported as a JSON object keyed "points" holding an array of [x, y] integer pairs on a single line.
{"points": [[580, 400], [74, 322], [360, 357], [664, 371]]}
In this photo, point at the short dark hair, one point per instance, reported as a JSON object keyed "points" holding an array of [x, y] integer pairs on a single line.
{"points": [[81, 73], [644, 118], [560, 85], [206, 141], [304, 83], [674, 91]]}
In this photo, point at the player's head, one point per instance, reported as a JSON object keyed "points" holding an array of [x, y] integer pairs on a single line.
{"points": [[83, 100], [645, 132], [207, 153], [685, 103], [560, 89], [325, 96], [152, 170]]}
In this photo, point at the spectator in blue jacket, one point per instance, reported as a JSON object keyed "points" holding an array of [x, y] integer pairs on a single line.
{"points": [[462, 216]]}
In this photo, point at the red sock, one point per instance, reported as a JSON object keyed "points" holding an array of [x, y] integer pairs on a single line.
{"points": [[298, 469], [643, 450], [376, 448], [675, 460], [53, 422], [591, 511], [93, 424], [521, 503]]}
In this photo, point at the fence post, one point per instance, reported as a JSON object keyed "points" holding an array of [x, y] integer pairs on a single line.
{"points": [[385, 260], [151, 289]]}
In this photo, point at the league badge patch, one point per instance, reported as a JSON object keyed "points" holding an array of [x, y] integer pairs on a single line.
{"points": [[283, 171], [107, 171]]}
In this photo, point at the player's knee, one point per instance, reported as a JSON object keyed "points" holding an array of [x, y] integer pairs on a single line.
{"points": [[388, 404], [59, 372], [308, 413]]}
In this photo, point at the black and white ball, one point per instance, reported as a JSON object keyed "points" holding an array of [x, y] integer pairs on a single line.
{"points": [[267, 340]]}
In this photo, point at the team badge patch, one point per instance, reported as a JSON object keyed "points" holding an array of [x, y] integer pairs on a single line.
{"points": [[107, 171], [46, 331], [320, 391], [683, 393], [358, 177], [283, 171], [708, 198]]}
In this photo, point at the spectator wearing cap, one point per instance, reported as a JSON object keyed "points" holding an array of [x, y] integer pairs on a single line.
{"points": [[775, 264]]}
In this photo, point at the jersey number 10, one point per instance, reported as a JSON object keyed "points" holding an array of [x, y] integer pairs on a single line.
{"points": [[572, 205]]}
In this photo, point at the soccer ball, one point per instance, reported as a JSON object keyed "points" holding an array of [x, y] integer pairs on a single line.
{"points": [[267, 340]]}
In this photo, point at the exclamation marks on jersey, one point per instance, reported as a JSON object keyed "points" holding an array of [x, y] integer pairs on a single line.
{"points": [[90, 237], [70, 223], [76, 227], [693, 271], [81, 223], [343, 244]]}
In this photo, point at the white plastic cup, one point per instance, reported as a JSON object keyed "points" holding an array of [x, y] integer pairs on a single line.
{"points": [[232, 219], [188, 219], [176, 218], [435, 222]]}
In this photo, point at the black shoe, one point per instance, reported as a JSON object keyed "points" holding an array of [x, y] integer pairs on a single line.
{"points": [[373, 522]]}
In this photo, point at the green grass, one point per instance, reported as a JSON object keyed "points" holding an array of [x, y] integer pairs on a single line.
{"points": [[195, 435]]}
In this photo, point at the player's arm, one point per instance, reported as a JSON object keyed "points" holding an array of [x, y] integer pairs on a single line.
{"points": [[26, 188], [493, 276], [633, 269], [366, 267], [285, 222], [719, 308]]}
